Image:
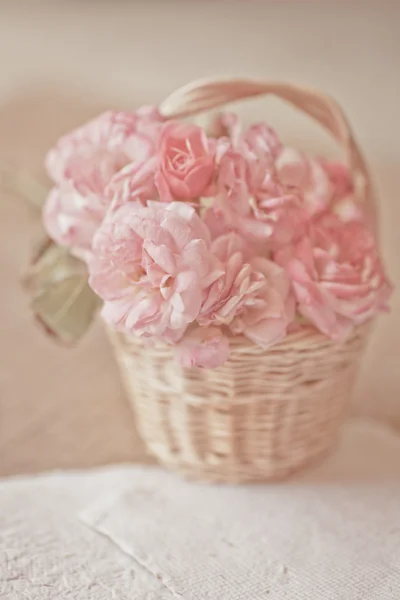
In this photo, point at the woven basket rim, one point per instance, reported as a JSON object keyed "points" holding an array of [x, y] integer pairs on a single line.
{"points": [[240, 343]]}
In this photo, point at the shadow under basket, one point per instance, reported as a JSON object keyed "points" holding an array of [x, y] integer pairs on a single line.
{"points": [[262, 416]]}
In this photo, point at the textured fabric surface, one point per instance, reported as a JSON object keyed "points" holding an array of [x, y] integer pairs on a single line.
{"points": [[47, 554], [332, 534]]}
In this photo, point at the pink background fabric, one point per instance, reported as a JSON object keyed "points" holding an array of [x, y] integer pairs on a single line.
{"points": [[61, 407]]}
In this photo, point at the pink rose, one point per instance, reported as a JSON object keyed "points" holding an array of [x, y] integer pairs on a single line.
{"points": [[232, 182], [339, 176], [186, 163], [134, 182], [204, 347], [246, 160], [238, 287], [118, 137], [266, 219], [337, 276], [260, 146], [345, 204], [266, 320], [297, 172], [253, 298], [83, 163], [72, 219], [285, 217], [260, 142], [150, 265], [348, 209], [251, 199]]}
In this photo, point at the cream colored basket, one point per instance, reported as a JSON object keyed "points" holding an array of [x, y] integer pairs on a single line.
{"points": [[266, 413]]}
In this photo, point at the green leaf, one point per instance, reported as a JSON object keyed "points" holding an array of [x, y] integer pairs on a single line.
{"points": [[61, 297]]}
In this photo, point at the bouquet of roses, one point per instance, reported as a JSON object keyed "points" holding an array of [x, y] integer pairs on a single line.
{"points": [[191, 237]]}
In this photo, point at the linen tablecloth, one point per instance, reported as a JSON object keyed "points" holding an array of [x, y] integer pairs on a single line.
{"points": [[140, 533]]}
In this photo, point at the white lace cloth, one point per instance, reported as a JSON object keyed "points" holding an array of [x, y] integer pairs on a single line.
{"points": [[136, 533]]}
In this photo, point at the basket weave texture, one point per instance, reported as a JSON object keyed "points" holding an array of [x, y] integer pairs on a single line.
{"points": [[265, 413], [261, 416]]}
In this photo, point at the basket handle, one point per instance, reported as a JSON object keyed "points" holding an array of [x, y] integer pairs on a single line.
{"points": [[207, 94]]}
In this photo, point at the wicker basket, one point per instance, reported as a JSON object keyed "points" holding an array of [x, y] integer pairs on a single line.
{"points": [[266, 413], [262, 415]]}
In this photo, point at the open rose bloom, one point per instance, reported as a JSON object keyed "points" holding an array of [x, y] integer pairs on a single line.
{"points": [[192, 238]]}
